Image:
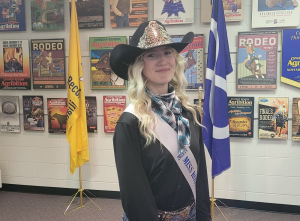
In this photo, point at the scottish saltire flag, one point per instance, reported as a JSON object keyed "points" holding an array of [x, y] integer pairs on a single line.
{"points": [[215, 114]]}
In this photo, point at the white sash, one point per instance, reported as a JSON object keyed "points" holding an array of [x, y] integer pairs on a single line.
{"points": [[169, 138]]}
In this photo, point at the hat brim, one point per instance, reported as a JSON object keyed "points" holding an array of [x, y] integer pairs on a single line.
{"points": [[124, 55]]}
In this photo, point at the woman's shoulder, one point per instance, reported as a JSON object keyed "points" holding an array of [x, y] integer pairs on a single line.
{"points": [[129, 119]]}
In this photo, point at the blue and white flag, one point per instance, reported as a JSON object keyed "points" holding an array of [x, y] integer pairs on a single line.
{"points": [[215, 113]]}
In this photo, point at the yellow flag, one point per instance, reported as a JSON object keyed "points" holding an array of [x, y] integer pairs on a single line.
{"points": [[76, 123]]}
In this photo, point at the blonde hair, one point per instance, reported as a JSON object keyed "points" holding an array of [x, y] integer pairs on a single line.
{"points": [[142, 102]]}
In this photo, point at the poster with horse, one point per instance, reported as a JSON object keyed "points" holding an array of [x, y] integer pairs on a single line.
{"points": [[194, 54], [257, 60], [13, 15], [102, 76], [33, 112], [48, 64], [273, 117], [47, 15], [10, 113], [296, 119], [57, 115], [14, 65]]}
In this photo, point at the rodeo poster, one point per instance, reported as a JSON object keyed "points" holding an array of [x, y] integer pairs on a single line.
{"points": [[14, 65], [90, 13], [275, 13], [9, 115], [240, 116], [102, 76], [13, 15], [273, 117], [233, 10], [257, 60], [91, 114], [57, 115], [290, 59], [194, 54], [174, 12], [47, 15], [128, 13], [113, 107], [296, 119], [33, 111], [48, 64]]}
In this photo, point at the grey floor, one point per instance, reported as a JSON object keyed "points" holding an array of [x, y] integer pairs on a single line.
{"points": [[38, 207]]}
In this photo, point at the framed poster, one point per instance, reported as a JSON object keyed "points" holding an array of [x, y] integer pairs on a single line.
{"points": [[240, 116], [10, 113], [257, 60], [57, 115], [273, 117], [233, 10], [125, 13], [194, 53], [33, 111], [48, 64], [47, 15], [290, 57], [274, 13], [91, 113], [14, 65], [90, 13], [13, 15], [174, 12], [296, 119], [102, 76]]}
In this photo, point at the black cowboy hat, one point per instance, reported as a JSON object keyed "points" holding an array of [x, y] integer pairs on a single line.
{"points": [[148, 35]]}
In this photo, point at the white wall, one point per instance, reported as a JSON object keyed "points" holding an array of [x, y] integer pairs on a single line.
{"points": [[262, 170]]}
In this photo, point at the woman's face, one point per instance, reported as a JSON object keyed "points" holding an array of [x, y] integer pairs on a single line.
{"points": [[159, 67]]}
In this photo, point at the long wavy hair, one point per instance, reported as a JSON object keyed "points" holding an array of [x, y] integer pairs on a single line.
{"points": [[142, 102]]}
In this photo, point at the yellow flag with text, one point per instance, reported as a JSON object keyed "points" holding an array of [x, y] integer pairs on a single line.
{"points": [[76, 124]]}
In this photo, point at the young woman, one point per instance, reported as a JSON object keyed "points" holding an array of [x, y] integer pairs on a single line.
{"points": [[158, 142]]}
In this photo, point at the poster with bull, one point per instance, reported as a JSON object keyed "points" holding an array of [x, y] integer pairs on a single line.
{"points": [[33, 111], [10, 113], [194, 54], [273, 117], [14, 65], [90, 13], [296, 119], [57, 115], [102, 76], [174, 12], [48, 64], [275, 13], [257, 60], [128, 13], [13, 15], [91, 113], [47, 15]]}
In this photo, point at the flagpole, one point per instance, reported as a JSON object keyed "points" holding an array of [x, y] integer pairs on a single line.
{"points": [[213, 200], [80, 183]]}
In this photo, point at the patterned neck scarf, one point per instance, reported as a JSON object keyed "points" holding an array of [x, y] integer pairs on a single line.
{"points": [[168, 107]]}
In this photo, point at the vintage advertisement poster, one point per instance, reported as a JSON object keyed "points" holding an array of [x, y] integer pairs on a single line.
{"points": [[14, 65], [90, 13], [102, 76], [57, 115], [194, 54], [290, 57], [48, 64], [113, 107], [13, 15], [125, 13], [33, 111], [199, 107], [257, 60], [174, 12], [233, 10], [240, 116], [10, 113], [91, 114], [47, 15], [275, 13], [273, 117], [296, 119]]}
